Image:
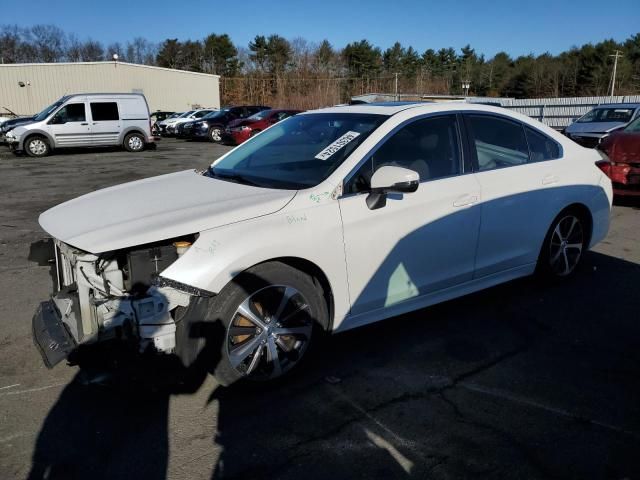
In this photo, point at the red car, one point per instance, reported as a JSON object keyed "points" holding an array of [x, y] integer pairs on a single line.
{"points": [[623, 166], [242, 129]]}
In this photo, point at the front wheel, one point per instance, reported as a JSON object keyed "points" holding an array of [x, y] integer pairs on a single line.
{"points": [[215, 134], [270, 315], [37, 146], [562, 249]]}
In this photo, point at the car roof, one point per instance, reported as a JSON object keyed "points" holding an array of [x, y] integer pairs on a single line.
{"points": [[392, 108]]}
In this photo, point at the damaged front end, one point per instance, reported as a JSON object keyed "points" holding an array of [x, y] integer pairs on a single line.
{"points": [[117, 295]]}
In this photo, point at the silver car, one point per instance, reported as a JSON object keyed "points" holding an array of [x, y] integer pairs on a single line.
{"points": [[86, 120], [591, 128]]}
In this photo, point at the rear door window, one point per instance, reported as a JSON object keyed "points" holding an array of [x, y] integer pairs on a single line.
{"points": [[498, 142], [104, 111]]}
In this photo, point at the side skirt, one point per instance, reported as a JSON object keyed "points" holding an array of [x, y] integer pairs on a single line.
{"points": [[429, 299]]}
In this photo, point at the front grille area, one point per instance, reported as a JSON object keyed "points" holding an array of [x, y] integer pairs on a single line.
{"points": [[588, 142]]}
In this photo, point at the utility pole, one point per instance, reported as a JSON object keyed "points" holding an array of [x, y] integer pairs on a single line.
{"points": [[397, 97], [615, 68]]}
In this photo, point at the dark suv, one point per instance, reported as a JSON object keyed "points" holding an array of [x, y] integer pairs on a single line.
{"points": [[212, 125]]}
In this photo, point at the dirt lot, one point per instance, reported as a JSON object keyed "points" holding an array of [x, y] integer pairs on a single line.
{"points": [[522, 381]]}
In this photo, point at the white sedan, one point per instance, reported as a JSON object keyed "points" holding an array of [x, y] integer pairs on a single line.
{"points": [[327, 221]]}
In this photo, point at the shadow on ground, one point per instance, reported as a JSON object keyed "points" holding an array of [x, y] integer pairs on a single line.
{"points": [[520, 381]]}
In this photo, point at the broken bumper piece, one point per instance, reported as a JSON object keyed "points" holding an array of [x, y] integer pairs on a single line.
{"points": [[51, 335]]}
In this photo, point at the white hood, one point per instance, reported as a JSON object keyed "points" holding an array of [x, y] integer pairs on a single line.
{"points": [[157, 208]]}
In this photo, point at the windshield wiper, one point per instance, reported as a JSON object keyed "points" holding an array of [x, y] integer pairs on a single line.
{"points": [[234, 177]]}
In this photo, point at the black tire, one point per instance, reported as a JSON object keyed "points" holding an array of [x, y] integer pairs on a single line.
{"points": [[215, 134], [37, 146], [209, 324], [564, 245], [133, 142]]}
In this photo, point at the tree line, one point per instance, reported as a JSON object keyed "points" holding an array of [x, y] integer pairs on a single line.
{"points": [[298, 73]]}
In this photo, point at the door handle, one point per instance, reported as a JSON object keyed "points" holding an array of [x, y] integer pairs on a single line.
{"points": [[549, 179], [84, 123], [465, 200]]}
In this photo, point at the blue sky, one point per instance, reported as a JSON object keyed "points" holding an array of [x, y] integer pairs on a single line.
{"points": [[489, 26]]}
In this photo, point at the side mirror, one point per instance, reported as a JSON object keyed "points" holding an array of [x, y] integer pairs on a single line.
{"points": [[390, 179]]}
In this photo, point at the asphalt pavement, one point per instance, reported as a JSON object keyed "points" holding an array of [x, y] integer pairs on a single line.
{"points": [[525, 380]]}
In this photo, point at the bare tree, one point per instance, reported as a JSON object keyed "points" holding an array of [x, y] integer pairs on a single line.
{"points": [[48, 42]]}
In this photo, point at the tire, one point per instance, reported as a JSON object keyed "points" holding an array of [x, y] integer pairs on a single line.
{"points": [[563, 245], [240, 331], [133, 142], [215, 134], [37, 146]]}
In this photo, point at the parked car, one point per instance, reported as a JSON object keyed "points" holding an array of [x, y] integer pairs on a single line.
{"points": [[162, 125], [189, 117], [213, 125], [329, 220], [239, 130], [9, 125], [156, 117], [622, 161], [86, 120], [591, 128]]}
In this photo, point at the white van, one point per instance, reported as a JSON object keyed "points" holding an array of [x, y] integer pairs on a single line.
{"points": [[86, 120]]}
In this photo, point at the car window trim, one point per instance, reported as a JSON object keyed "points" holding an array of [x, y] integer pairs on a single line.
{"points": [[398, 127], [474, 155]]}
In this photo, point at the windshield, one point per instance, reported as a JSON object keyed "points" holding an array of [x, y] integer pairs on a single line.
{"points": [[216, 113], [622, 115], [633, 126], [186, 114], [47, 111], [260, 115], [299, 152]]}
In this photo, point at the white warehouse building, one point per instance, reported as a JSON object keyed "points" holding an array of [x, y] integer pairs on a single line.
{"points": [[27, 88]]}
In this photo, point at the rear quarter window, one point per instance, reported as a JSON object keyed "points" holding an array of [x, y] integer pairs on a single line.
{"points": [[541, 147]]}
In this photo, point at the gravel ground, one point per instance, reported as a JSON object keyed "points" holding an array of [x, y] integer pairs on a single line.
{"points": [[521, 381]]}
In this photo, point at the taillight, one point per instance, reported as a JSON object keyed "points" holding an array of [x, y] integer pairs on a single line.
{"points": [[605, 166]]}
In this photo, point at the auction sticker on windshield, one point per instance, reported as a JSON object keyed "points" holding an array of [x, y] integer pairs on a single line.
{"points": [[337, 145]]}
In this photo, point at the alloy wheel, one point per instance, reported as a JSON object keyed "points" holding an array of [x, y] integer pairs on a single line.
{"points": [[269, 332], [565, 247], [216, 134]]}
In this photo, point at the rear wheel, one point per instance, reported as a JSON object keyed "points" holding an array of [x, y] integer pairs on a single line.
{"points": [[270, 315], [37, 146], [134, 142], [562, 249]]}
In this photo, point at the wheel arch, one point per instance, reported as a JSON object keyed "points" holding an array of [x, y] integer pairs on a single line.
{"points": [[585, 213], [133, 129], [37, 133], [311, 269]]}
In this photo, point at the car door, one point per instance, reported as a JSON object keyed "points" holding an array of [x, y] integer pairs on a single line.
{"points": [[69, 126], [519, 195], [105, 122], [419, 242]]}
